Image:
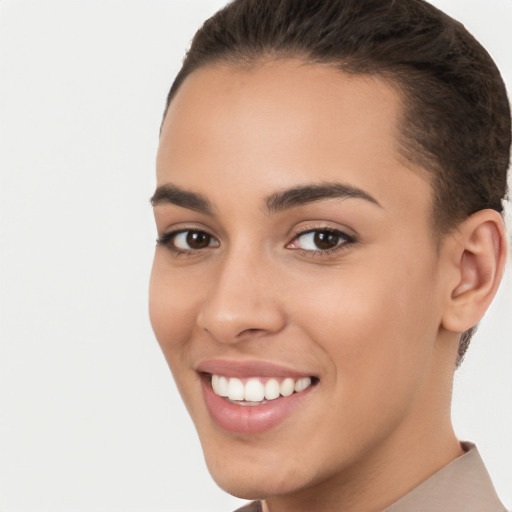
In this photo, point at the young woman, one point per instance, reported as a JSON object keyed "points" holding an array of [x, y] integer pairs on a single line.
{"points": [[330, 185]]}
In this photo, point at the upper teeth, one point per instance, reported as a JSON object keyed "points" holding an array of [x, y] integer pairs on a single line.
{"points": [[254, 390]]}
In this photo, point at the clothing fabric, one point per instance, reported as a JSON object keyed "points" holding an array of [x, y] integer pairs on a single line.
{"points": [[463, 485], [254, 506]]}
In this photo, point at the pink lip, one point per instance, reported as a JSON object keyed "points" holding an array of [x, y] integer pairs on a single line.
{"points": [[244, 369], [249, 419]]}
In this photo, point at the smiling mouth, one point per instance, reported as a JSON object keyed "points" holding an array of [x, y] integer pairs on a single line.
{"points": [[252, 397], [256, 391]]}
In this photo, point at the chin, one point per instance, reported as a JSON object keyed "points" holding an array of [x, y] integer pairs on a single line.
{"points": [[257, 474], [252, 485]]}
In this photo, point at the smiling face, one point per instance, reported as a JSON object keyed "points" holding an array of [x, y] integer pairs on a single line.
{"points": [[296, 248]]}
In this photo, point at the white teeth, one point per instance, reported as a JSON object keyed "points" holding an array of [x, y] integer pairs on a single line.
{"points": [[287, 387], [254, 390], [223, 386], [215, 383], [302, 384], [236, 389], [271, 389], [220, 385]]}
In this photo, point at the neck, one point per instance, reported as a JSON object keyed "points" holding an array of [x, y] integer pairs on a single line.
{"points": [[378, 481]]}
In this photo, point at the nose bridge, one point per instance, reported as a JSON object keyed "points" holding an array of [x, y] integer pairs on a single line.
{"points": [[242, 301]]}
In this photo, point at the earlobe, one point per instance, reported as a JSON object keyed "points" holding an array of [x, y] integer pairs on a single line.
{"points": [[479, 255]]}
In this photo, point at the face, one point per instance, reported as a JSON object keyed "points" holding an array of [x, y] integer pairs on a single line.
{"points": [[296, 268]]}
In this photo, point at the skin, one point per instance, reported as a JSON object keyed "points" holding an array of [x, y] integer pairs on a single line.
{"points": [[376, 320]]}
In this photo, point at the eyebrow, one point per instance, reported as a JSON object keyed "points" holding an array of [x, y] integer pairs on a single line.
{"points": [[277, 202], [299, 196], [171, 194]]}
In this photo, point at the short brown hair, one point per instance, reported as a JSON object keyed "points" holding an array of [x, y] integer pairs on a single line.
{"points": [[456, 115]]}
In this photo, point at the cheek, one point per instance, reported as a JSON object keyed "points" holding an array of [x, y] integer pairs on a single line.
{"points": [[172, 308], [370, 329], [376, 325]]}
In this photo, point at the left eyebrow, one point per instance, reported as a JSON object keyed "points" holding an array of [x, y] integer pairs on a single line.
{"points": [[171, 194], [299, 196]]}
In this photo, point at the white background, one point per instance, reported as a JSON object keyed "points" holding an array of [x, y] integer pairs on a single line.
{"points": [[89, 417]]}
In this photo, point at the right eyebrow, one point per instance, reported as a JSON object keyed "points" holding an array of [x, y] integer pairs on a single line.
{"points": [[311, 193], [171, 194]]}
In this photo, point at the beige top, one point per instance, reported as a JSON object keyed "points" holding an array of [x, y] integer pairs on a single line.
{"points": [[462, 486]]}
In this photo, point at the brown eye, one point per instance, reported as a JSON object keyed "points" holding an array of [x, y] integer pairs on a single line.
{"points": [[326, 239], [319, 240], [198, 239], [192, 240]]}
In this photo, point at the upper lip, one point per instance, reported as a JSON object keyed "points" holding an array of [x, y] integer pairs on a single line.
{"points": [[244, 369]]}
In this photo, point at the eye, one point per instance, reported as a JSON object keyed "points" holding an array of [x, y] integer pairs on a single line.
{"points": [[188, 240], [321, 240], [193, 240]]}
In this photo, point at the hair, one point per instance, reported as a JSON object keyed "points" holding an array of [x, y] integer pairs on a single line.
{"points": [[455, 119]]}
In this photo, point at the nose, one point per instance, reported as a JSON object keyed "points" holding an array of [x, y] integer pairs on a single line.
{"points": [[243, 301]]}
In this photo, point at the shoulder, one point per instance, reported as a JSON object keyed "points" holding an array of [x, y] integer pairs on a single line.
{"points": [[254, 506]]}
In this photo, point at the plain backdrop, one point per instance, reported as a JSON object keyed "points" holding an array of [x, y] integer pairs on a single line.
{"points": [[90, 419]]}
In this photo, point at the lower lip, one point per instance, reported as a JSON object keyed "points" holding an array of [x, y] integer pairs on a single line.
{"points": [[250, 419]]}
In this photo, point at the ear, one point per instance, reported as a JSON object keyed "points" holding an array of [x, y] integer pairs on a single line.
{"points": [[477, 255]]}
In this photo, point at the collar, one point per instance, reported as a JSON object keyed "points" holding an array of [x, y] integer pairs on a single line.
{"points": [[463, 485]]}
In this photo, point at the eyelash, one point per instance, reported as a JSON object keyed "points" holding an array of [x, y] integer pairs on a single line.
{"points": [[345, 241], [168, 240]]}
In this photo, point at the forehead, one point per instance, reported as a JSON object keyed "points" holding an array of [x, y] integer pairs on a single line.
{"points": [[282, 103], [287, 121]]}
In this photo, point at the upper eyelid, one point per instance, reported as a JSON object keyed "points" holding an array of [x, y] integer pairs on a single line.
{"points": [[180, 227], [312, 230], [178, 231], [348, 236], [311, 226]]}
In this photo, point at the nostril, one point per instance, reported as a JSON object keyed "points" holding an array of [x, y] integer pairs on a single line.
{"points": [[250, 332]]}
